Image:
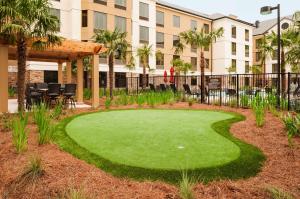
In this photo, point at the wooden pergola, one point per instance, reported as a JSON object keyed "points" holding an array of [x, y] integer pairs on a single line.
{"points": [[67, 52]]}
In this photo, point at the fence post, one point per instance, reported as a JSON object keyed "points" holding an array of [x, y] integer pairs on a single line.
{"points": [[289, 90], [237, 90], [137, 85]]}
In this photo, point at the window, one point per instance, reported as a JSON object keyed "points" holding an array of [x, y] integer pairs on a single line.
{"points": [[144, 11], [103, 79], [50, 76], [103, 2], [144, 35], [206, 63], [258, 43], [206, 28], [194, 48], [274, 68], [120, 80], [176, 57], [247, 51], [84, 18], [194, 63], [176, 21], [56, 13], [247, 67], [274, 55], [175, 40], [233, 32], [120, 23], [194, 81], [160, 19], [100, 21], [121, 4], [194, 25], [160, 61], [258, 56], [233, 64], [160, 39], [233, 48], [247, 35]]}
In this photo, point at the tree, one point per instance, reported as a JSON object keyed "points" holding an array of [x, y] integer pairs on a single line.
{"points": [[201, 40], [27, 24], [144, 53], [266, 49], [116, 44], [181, 66]]}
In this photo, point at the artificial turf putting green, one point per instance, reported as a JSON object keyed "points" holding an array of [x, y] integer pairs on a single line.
{"points": [[155, 139], [160, 144]]}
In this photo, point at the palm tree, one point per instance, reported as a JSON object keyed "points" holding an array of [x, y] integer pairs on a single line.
{"points": [[144, 53], [266, 49], [200, 40], [116, 44], [27, 24]]}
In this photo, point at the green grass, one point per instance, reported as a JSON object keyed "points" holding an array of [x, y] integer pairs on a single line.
{"points": [[210, 152]]}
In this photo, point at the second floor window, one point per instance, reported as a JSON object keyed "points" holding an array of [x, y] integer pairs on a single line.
{"points": [[206, 63], [233, 32], [121, 4], [120, 23], [258, 56], [84, 18], [100, 21], [56, 13], [175, 40], [247, 67], [206, 28], [274, 55], [159, 61], [194, 48], [194, 63], [176, 21], [144, 11], [247, 52], [258, 43], [233, 64], [144, 35], [233, 48], [160, 19], [194, 25], [160, 40]]}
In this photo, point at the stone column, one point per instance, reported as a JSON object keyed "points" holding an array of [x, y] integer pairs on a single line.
{"points": [[60, 73], [3, 79], [95, 81], [79, 81], [69, 72]]}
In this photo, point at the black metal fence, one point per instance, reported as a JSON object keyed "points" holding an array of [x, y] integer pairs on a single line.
{"points": [[231, 89]]}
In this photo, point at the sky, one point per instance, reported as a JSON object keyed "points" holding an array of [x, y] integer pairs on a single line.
{"points": [[248, 10]]}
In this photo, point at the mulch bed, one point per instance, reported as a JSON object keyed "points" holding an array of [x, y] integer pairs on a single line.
{"points": [[62, 171]]}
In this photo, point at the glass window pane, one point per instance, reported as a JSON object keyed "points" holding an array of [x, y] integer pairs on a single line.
{"points": [[144, 34], [120, 2], [194, 24], [100, 21], [160, 18], [120, 23], [160, 40], [176, 21], [144, 11]]}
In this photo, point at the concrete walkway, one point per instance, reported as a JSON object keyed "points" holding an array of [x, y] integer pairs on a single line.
{"points": [[13, 106]]}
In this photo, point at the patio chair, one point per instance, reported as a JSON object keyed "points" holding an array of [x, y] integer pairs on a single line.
{"points": [[69, 94], [163, 87], [189, 92], [40, 86], [53, 93], [173, 88], [31, 96], [231, 92], [152, 87]]}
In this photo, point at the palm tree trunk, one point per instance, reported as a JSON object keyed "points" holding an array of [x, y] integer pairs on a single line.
{"points": [[111, 74], [144, 76], [22, 58], [202, 76]]}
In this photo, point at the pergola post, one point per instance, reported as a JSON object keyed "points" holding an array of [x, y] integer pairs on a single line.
{"points": [[3, 79], [79, 81], [69, 72], [95, 81], [60, 73]]}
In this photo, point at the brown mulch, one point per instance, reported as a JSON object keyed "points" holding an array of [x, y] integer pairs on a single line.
{"points": [[62, 171]]}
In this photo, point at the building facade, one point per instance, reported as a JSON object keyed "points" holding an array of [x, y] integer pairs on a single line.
{"points": [[153, 22]]}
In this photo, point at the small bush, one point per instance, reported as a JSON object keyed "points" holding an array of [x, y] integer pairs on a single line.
{"points": [[19, 133], [191, 102], [291, 125], [107, 103], [34, 168], [276, 193], [258, 107], [57, 111], [11, 92], [87, 94], [245, 101], [186, 187], [73, 193]]}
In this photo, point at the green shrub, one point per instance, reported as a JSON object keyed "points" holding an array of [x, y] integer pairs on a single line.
{"points": [[107, 103], [11, 92], [34, 168], [19, 133], [258, 107], [186, 187], [87, 94], [57, 111], [233, 103], [245, 101], [43, 121], [191, 102], [291, 125]]}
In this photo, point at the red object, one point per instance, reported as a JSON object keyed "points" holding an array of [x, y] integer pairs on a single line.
{"points": [[172, 75], [165, 76]]}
